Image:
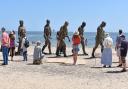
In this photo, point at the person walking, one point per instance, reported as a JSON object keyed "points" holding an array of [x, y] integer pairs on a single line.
{"points": [[5, 45], [61, 43], [81, 33], [47, 36], [106, 58], [99, 38]]}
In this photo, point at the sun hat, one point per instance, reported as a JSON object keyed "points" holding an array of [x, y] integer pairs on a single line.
{"points": [[76, 33]]}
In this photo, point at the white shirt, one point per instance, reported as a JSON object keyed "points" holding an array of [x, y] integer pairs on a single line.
{"points": [[22, 45], [108, 42]]}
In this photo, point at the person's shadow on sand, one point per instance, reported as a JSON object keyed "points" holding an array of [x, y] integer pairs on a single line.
{"points": [[114, 72]]}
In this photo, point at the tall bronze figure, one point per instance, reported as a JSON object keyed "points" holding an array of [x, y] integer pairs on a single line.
{"points": [[47, 36]]}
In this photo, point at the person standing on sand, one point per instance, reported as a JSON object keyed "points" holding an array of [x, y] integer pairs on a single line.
{"points": [[99, 38], [61, 43], [76, 40], [24, 48], [12, 44], [47, 36], [123, 51], [5, 45], [117, 47], [21, 32], [81, 33], [106, 58]]}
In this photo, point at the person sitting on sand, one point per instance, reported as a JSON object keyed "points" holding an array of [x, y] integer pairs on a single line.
{"points": [[106, 58], [37, 55], [76, 40]]}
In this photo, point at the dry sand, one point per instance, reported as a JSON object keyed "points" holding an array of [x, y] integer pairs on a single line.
{"points": [[58, 73]]}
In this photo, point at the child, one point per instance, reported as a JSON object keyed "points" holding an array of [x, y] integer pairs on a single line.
{"points": [[37, 55], [24, 48], [76, 41], [12, 45]]}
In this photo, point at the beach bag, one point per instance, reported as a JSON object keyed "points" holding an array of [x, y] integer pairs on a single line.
{"points": [[26, 43]]}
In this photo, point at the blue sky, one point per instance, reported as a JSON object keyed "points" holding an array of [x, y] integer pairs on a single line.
{"points": [[35, 12]]}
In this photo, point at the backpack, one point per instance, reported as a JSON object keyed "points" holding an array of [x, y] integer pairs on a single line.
{"points": [[26, 43]]}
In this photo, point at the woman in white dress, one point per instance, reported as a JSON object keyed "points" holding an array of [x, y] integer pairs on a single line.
{"points": [[106, 58]]}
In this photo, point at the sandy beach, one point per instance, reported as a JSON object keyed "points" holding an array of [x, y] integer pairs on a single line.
{"points": [[59, 73]]}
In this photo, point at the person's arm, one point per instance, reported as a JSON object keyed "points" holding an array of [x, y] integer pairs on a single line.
{"points": [[68, 38], [44, 32], [50, 31], [18, 32]]}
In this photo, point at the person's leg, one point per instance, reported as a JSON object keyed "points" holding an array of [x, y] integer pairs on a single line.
{"points": [[19, 47], [102, 47], [49, 47], [64, 49], [83, 46], [11, 53], [94, 49], [124, 64], [4, 55], [120, 62], [46, 43], [26, 55], [23, 56], [74, 59]]}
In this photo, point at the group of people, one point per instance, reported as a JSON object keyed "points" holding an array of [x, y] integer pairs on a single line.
{"points": [[103, 39]]}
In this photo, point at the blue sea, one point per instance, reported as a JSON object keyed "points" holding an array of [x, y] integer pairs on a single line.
{"points": [[34, 36]]}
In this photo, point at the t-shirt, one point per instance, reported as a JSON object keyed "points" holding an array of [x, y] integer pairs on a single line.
{"points": [[124, 48], [5, 39], [76, 40]]}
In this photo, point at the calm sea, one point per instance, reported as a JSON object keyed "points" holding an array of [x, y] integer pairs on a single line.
{"points": [[34, 36]]}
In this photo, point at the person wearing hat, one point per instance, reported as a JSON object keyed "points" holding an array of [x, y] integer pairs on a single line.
{"points": [[21, 33], [5, 45], [47, 36], [37, 55], [61, 43], [76, 40], [81, 33], [99, 38], [106, 58]]}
